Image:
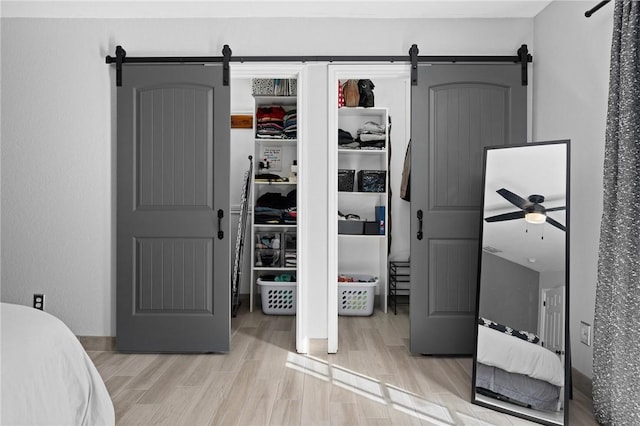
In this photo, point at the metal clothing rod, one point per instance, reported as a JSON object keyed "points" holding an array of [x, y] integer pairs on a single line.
{"points": [[595, 8], [413, 58]]}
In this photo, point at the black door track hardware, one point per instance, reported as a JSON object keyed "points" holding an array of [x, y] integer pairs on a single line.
{"points": [[413, 59]]}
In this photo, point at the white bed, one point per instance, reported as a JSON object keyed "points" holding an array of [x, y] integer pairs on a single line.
{"points": [[47, 377], [521, 371], [518, 356]]}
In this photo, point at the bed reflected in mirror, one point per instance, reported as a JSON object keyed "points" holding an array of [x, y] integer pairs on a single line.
{"points": [[521, 361]]}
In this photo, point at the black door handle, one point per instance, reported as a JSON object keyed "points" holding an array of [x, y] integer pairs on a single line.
{"points": [[220, 231], [420, 224]]}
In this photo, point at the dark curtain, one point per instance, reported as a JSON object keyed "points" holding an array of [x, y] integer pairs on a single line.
{"points": [[616, 348]]}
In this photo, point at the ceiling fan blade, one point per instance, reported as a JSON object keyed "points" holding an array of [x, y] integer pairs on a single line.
{"points": [[553, 209], [514, 199], [505, 216], [556, 224]]}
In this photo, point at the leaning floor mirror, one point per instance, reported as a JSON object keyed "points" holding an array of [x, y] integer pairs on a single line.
{"points": [[522, 357]]}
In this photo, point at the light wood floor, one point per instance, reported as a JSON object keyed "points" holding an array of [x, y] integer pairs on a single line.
{"points": [[372, 380]]}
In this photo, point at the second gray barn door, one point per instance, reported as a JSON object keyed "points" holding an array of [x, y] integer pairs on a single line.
{"points": [[173, 289], [456, 111]]}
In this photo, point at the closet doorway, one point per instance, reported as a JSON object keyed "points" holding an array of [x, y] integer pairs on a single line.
{"points": [[364, 254], [263, 259]]}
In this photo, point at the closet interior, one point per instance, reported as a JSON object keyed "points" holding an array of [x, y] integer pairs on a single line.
{"points": [[367, 158], [362, 192], [268, 137]]}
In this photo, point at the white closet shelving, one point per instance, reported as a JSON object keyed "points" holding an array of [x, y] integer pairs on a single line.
{"points": [[366, 252], [269, 257]]}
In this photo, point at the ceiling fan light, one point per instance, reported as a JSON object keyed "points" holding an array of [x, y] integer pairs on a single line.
{"points": [[535, 218]]}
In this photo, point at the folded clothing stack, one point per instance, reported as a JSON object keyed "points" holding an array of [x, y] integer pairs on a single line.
{"points": [[290, 216], [371, 135], [275, 208], [290, 258], [290, 124], [270, 122], [345, 138]]}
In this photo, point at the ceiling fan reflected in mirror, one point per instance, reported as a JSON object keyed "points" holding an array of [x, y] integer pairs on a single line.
{"points": [[531, 209]]}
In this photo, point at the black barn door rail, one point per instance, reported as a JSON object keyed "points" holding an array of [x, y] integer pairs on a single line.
{"points": [[522, 56], [595, 8]]}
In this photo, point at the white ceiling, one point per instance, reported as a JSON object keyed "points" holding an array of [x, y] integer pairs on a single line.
{"points": [[390, 9], [535, 169]]}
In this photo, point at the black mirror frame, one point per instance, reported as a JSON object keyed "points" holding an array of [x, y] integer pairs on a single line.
{"points": [[568, 387]]}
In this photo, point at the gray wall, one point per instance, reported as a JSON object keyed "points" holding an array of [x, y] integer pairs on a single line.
{"points": [[509, 293], [58, 133], [57, 129], [570, 102]]}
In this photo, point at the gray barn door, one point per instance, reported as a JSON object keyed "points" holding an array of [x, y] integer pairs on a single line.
{"points": [[173, 291], [456, 111]]}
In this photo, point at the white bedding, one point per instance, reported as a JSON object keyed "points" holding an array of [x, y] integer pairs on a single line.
{"points": [[47, 377], [518, 356]]}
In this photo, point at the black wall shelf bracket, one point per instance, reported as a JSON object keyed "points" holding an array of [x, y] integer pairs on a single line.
{"points": [[226, 58], [413, 59], [413, 54]]}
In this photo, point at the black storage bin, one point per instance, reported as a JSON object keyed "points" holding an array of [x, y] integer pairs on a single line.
{"points": [[371, 228], [372, 180], [346, 180], [351, 227]]}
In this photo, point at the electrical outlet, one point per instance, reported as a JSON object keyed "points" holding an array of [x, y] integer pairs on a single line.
{"points": [[585, 333], [38, 301]]}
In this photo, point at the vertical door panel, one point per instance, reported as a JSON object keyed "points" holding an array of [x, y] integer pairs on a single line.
{"points": [[174, 150], [448, 283], [554, 320], [180, 285], [457, 110], [465, 118], [173, 274]]}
